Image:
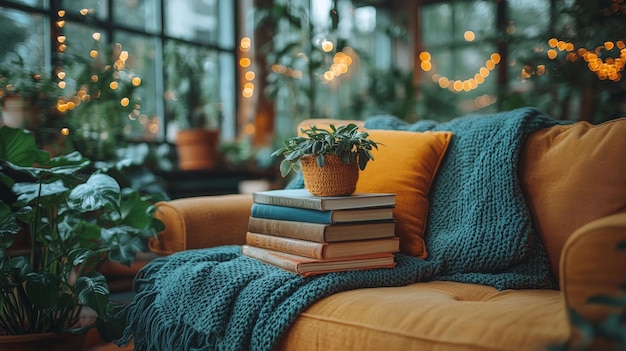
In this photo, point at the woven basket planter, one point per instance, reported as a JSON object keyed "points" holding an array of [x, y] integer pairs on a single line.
{"points": [[334, 179]]}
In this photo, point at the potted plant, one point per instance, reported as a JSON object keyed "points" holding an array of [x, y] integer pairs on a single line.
{"points": [[27, 94], [188, 99], [73, 219], [329, 159]]}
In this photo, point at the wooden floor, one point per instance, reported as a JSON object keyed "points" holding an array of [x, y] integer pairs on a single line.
{"points": [[93, 343]]}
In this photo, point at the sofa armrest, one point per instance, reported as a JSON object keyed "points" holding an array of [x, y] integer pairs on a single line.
{"points": [[592, 264], [200, 222]]}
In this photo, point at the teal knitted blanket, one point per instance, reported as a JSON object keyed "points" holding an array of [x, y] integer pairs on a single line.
{"points": [[479, 231]]}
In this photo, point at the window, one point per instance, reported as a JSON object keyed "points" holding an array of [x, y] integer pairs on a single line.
{"points": [[472, 50], [564, 57], [162, 39], [322, 58]]}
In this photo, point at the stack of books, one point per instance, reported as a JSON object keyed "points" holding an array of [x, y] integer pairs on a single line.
{"points": [[309, 235]]}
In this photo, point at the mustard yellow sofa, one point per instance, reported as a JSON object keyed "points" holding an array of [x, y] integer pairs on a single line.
{"points": [[573, 178]]}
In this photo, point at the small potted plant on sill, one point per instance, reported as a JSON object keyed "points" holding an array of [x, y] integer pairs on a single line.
{"points": [[190, 101], [27, 95], [70, 219], [329, 159]]}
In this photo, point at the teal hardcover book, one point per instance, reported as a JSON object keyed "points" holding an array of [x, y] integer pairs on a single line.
{"points": [[315, 216]]}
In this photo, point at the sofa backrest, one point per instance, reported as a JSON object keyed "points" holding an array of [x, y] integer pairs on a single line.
{"points": [[571, 175]]}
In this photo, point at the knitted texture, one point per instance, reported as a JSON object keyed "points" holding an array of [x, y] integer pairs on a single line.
{"points": [[479, 231], [334, 179], [479, 228], [218, 299]]}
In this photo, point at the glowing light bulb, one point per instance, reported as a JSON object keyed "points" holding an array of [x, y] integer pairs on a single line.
{"points": [[327, 45], [244, 62], [245, 44]]}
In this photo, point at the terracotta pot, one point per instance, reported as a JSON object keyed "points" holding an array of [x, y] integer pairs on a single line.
{"points": [[18, 112], [334, 179], [43, 341], [197, 148]]}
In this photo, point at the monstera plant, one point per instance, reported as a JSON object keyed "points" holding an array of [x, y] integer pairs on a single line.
{"points": [[72, 217]]}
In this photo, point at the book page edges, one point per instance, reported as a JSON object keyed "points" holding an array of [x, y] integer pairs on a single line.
{"points": [[307, 266]]}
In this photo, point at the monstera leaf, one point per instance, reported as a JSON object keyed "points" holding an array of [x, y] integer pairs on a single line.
{"points": [[93, 291], [96, 193], [18, 147]]}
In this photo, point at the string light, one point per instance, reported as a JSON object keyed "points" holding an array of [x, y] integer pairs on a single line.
{"points": [[82, 94], [341, 65], [457, 85], [609, 68], [245, 44]]}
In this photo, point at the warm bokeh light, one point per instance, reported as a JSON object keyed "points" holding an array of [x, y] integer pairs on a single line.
{"points": [[113, 85], [327, 45], [460, 85], [96, 36], [552, 42], [552, 54], [247, 92], [136, 81], [244, 62], [125, 101], [249, 75], [469, 35], [250, 129], [93, 53], [65, 131], [602, 60], [245, 44]]}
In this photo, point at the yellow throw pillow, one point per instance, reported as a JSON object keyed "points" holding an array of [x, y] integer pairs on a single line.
{"points": [[406, 164], [572, 175]]}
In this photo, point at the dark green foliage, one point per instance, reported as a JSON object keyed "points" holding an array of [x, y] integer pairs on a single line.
{"points": [[74, 218]]}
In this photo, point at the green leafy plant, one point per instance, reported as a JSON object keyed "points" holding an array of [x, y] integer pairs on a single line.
{"points": [[73, 218], [17, 78], [346, 141]]}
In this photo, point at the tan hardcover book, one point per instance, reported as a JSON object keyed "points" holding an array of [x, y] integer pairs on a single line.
{"points": [[301, 198], [323, 250], [321, 232], [308, 266]]}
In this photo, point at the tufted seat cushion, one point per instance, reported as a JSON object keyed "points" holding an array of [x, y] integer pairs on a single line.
{"points": [[431, 316]]}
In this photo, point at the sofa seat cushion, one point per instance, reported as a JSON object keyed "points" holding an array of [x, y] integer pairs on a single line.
{"points": [[431, 316]]}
